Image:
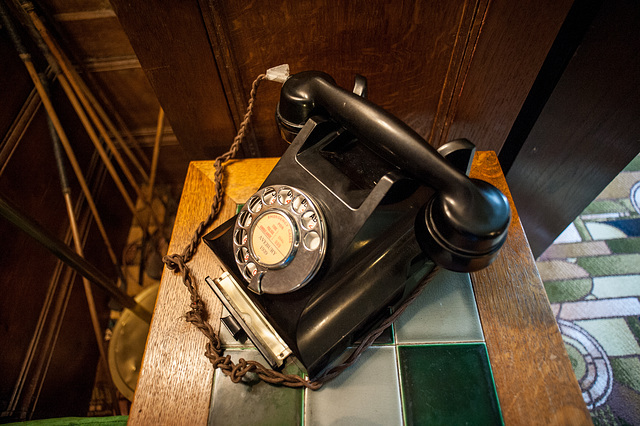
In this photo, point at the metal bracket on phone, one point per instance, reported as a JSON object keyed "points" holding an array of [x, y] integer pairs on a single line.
{"points": [[244, 313]]}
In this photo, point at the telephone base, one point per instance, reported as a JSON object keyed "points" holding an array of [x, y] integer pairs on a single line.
{"points": [[317, 323]]}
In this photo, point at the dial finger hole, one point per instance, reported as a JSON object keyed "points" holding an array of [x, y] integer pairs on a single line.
{"points": [[269, 197], [285, 196], [242, 255], [300, 204], [250, 270], [244, 219], [240, 237], [311, 241], [309, 220], [255, 204]]}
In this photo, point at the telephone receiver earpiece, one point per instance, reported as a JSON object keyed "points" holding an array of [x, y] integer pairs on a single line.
{"points": [[463, 225]]}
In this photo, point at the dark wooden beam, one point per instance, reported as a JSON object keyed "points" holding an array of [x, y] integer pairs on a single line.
{"points": [[587, 132], [171, 44]]}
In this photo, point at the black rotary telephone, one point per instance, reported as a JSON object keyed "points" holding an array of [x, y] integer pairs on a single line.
{"points": [[357, 211]]}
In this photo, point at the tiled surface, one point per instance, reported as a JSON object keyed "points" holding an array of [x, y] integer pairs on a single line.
{"points": [[592, 277], [255, 403], [448, 384], [366, 394], [432, 369], [445, 312]]}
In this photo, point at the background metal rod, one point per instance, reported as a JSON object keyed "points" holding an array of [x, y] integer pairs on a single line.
{"points": [[28, 14], [68, 256], [46, 101], [156, 153]]}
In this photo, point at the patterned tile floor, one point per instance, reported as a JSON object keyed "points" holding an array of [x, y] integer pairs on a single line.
{"points": [[592, 277]]}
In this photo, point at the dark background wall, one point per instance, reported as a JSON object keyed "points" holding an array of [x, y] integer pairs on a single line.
{"points": [[549, 85]]}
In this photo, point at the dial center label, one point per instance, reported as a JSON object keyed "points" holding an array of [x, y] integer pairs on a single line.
{"points": [[272, 238]]}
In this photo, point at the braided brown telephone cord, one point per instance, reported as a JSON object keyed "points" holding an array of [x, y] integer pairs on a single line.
{"points": [[197, 315]]}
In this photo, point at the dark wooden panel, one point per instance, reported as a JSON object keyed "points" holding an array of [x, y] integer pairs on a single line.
{"points": [[405, 50], [96, 38], [129, 92], [514, 42], [30, 181], [172, 163], [33, 307], [72, 6], [171, 43], [587, 132], [74, 356]]}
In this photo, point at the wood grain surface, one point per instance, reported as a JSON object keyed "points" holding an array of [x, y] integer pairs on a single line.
{"points": [[172, 46], [532, 372], [512, 47], [408, 51], [533, 375], [174, 385]]}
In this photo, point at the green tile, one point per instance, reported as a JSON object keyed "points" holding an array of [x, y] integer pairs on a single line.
{"points": [[447, 384], [625, 245], [634, 325], [627, 371], [256, 403], [607, 206], [621, 264], [616, 286], [568, 290], [633, 166]]}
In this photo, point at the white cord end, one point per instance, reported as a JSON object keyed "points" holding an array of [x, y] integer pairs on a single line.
{"points": [[279, 73]]}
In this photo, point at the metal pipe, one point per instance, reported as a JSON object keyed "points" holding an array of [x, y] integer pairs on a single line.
{"points": [[61, 64], [68, 256], [156, 152], [66, 193], [88, 110], [46, 101]]}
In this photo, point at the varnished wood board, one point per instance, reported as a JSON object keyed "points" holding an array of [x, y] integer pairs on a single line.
{"points": [[532, 372], [174, 385]]}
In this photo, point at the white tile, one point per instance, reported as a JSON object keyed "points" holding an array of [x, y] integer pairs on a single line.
{"points": [[603, 308], [367, 393], [616, 286], [445, 312], [602, 231], [569, 235]]}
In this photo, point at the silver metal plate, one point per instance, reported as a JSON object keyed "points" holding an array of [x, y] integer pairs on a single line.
{"points": [[261, 333]]}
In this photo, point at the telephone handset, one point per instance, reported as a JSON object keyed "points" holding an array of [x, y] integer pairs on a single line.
{"points": [[356, 212], [466, 220]]}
